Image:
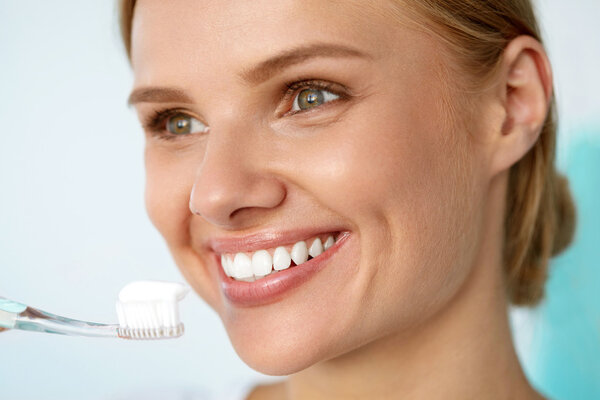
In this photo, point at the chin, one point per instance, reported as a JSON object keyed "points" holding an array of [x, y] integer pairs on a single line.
{"points": [[277, 358], [279, 350]]}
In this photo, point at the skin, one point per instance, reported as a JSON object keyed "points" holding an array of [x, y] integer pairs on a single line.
{"points": [[413, 306]]}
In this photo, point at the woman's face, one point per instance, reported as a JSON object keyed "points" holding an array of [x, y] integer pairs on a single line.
{"points": [[325, 118]]}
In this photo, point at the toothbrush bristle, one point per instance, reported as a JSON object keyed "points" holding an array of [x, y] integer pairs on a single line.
{"points": [[148, 334], [149, 320]]}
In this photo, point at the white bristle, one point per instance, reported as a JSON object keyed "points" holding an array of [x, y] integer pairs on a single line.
{"points": [[149, 309]]}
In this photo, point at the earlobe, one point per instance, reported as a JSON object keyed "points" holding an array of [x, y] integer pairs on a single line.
{"points": [[526, 81]]}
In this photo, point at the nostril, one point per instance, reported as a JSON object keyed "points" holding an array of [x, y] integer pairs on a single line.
{"points": [[213, 203], [193, 210]]}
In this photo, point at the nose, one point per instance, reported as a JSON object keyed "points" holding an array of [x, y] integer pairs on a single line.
{"points": [[233, 178]]}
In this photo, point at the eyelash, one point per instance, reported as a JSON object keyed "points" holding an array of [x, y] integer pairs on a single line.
{"points": [[156, 122]]}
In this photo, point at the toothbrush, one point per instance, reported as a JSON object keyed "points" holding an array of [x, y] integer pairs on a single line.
{"points": [[146, 310]]}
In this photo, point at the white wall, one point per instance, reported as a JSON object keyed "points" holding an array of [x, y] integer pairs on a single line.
{"points": [[570, 29]]}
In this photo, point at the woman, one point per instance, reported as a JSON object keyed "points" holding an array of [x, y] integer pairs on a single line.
{"points": [[359, 189]]}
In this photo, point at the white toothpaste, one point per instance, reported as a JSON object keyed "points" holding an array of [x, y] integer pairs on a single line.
{"points": [[150, 304], [153, 291]]}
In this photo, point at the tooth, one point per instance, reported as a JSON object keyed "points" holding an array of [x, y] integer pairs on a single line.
{"points": [[316, 248], [251, 279], [328, 243], [281, 259], [229, 263], [261, 263], [242, 266], [225, 264], [299, 252]]}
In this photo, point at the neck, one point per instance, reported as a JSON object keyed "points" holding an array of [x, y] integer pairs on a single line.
{"points": [[464, 351]]}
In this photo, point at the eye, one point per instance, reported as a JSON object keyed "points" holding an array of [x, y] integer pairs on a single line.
{"points": [[183, 124], [311, 98]]}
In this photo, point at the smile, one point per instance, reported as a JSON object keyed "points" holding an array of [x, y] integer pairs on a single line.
{"points": [[251, 266], [259, 273]]}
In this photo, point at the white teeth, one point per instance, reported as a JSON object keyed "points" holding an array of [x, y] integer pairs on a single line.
{"points": [[261, 263], [281, 259], [316, 248], [251, 266], [328, 243], [242, 266], [299, 252]]}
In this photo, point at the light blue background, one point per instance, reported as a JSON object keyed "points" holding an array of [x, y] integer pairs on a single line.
{"points": [[73, 228]]}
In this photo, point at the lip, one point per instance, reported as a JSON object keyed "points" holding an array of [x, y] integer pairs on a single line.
{"points": [[263, 240], [273, 287]]}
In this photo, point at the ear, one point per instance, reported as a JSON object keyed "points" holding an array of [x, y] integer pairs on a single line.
{"points": [[525, 91]]}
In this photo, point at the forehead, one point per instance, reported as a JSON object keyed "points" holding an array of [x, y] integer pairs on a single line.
{"points": [[185, 37]]}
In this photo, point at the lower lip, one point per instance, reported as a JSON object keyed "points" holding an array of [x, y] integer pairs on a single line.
{"points": [[274, 286]]}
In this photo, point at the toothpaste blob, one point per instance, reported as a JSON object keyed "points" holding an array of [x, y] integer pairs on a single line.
{"points": [[150, 304], [153, 291]]}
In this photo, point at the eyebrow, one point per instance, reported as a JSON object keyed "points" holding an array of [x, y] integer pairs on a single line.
{"points": [[274, 65], [158, 95], [254, 76]]}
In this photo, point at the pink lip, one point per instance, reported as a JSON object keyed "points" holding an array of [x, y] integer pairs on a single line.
{"points": [[263, 240], [273, 287]]}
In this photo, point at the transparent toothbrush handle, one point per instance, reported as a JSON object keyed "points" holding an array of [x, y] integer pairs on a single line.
{"points": [[40, 321]]}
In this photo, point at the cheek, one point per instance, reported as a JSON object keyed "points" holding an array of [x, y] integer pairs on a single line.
{"points": [[402, 177], [386, 156], [426, 200], [168, 187]]}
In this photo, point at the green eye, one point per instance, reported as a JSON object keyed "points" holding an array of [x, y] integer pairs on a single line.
{"points": [[182, 124], [310, 98]]}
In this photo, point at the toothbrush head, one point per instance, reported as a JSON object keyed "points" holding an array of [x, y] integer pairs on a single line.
{"points": [[149, 310]]}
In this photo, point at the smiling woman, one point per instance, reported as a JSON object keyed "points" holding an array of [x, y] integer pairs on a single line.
{"points": [[358, 189]]}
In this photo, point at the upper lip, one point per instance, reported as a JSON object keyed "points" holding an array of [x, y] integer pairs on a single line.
{"points": [[264, 240]]}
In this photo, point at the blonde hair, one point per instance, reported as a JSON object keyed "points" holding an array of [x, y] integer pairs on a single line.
{"points": [[540, 215]]}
